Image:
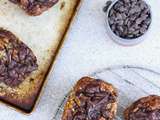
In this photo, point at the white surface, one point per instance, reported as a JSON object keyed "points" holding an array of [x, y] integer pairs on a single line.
{"points": [[87, 49]]}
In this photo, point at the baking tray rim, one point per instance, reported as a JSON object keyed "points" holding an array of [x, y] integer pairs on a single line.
{"points": [[44, 81]]}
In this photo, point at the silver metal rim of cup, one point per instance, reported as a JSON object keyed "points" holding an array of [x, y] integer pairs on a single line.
{"points": [[123, 41]]}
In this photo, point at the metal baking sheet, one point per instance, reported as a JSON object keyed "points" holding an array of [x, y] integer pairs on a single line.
{"points": [[44, 34]]}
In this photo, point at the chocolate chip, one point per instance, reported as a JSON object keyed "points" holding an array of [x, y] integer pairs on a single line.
{"points": [[122, 9], [142, 30]]}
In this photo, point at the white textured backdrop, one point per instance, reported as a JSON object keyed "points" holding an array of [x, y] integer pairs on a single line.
{"points": [[87, 49]]}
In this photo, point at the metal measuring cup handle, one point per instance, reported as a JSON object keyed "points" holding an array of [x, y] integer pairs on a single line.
{"points": [[108, 3]]}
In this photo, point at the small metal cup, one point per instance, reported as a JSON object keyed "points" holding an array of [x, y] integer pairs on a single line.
{"points": [[125, 41]]}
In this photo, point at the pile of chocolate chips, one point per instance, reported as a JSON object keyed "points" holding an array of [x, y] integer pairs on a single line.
{"points": [[93, 103], [129, 19]]}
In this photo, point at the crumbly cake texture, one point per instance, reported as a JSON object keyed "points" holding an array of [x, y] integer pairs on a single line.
{"points": [[91, 99], [146, 108]]}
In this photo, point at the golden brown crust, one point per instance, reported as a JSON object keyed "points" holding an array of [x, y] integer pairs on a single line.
{"points": [[150, 103], [81, 85]]}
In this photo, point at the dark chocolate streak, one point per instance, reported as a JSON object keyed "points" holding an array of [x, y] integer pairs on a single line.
{"points": [[144, 114], [147, 108], [93, 103], [17, 61], [35, 7]]}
